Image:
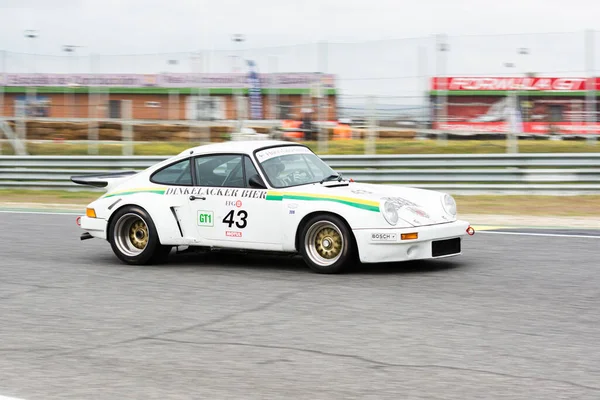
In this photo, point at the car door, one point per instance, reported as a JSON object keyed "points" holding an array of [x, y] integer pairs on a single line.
{"points": [[228, 212], [177, 178]]}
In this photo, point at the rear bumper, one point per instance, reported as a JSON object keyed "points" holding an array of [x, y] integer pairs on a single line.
{"points": [[95, 226], [386, 245]]}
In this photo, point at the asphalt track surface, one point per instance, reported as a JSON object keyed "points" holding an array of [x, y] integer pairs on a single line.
{"points": [[515, 317]]}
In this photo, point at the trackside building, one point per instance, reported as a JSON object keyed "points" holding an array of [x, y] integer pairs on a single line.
{"points": [[175, 96]]}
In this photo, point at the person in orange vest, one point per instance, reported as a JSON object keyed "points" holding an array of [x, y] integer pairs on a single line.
{"points": [[288, 126], [342, 130]]}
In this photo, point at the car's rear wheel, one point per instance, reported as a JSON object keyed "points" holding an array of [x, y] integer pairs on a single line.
{"points": [[327, 245], [134, 239]]}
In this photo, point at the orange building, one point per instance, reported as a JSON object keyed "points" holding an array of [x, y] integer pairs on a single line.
{"points": [[165, 96]]}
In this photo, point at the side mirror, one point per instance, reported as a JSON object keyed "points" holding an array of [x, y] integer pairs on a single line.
{"points": [[257, 182]]}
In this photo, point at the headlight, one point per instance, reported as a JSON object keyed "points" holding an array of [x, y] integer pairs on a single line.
{"points": [[389, 213], [449, 204]]}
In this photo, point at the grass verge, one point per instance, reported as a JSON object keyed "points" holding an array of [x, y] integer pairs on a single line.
{"points": [[555, 206], [543, 206], [357, 146], [48, 196]]}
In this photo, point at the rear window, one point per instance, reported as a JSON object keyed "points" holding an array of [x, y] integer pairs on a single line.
{"points": [[179, 174]]}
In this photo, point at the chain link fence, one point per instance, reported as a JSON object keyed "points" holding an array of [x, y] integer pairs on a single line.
{"points": [[385, 81]]}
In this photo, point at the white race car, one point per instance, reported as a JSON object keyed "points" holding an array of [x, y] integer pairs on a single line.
{"points": [[267, 196]]}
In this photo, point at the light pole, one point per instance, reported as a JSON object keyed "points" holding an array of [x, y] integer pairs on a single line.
{"points": [[591, 112], [523, 51], [274, 102], [443, 47], [70, 100], [2, 72], [202, 108], [511, 117], [173, 107], [239, 38], [172, 62], [31, 35]]}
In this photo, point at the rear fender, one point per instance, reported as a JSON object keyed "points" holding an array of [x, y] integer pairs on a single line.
{"points": [[170, 232]]}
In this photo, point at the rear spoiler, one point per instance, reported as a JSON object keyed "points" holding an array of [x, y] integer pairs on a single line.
{"points": [[101, 180]]}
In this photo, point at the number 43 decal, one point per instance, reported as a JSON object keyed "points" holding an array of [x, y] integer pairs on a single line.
{"points": [[241, 214]]}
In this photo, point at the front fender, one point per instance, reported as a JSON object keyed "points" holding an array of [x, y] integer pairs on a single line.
{"points": [[294, 212]]}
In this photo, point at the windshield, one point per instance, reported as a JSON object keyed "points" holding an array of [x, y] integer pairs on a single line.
{"points": [[292, 166]]}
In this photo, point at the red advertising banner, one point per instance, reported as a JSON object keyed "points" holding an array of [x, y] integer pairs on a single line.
{"points": [[512, 83], [564, 128], [497, 107]]}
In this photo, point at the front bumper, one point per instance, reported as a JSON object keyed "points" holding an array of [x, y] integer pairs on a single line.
{"points": [[386, 245], [95, 226]]}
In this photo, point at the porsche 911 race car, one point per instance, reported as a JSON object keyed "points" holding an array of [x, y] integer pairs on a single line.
{"points": [[267, 196]]}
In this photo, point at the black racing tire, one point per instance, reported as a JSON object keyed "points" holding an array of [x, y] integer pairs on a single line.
{"points": [[134, 239], [327, 244]]}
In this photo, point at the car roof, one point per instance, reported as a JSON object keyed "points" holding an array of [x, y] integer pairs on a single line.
{"points": [[241, 146]]}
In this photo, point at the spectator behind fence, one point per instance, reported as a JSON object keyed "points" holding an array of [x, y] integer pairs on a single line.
{"points": [[342, 130]]}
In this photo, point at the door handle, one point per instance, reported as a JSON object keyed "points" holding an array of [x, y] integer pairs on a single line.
{"points": [[192, 198]]}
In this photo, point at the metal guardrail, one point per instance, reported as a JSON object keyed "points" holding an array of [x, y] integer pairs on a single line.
{"points": [[570, 173]]}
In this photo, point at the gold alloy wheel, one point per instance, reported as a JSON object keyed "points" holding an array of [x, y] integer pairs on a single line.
{"points": [[131, 234], [328, 243], [138, 234], [324, 243]]}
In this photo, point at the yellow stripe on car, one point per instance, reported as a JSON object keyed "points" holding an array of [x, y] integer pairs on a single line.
{"points": [[157, 190], [368, 205]]}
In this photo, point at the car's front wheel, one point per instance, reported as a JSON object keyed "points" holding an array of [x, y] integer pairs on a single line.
{"points": [[327, 244], [134, 238]]}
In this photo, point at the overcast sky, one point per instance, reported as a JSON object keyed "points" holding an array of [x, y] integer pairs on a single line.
{"points": [[488, 33]]}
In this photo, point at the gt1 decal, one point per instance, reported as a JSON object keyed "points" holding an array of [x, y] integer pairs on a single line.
{"points": [[206, 218], [384, 237], [241, 216], [233, 234], [217, 192]]}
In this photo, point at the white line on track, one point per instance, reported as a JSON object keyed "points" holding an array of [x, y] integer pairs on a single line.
{"points": [[541, 234], [39, 212], [8, 398]]}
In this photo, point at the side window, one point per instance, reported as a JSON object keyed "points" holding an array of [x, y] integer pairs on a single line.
{"points": [[250, 169], [175, 174], [220, 171]]}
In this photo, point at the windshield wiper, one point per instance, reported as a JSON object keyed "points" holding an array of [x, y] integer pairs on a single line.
{"points": [[331, 177]]}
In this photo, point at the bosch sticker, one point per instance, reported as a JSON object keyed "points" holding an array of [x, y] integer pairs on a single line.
{"points": [[384, 237]]}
